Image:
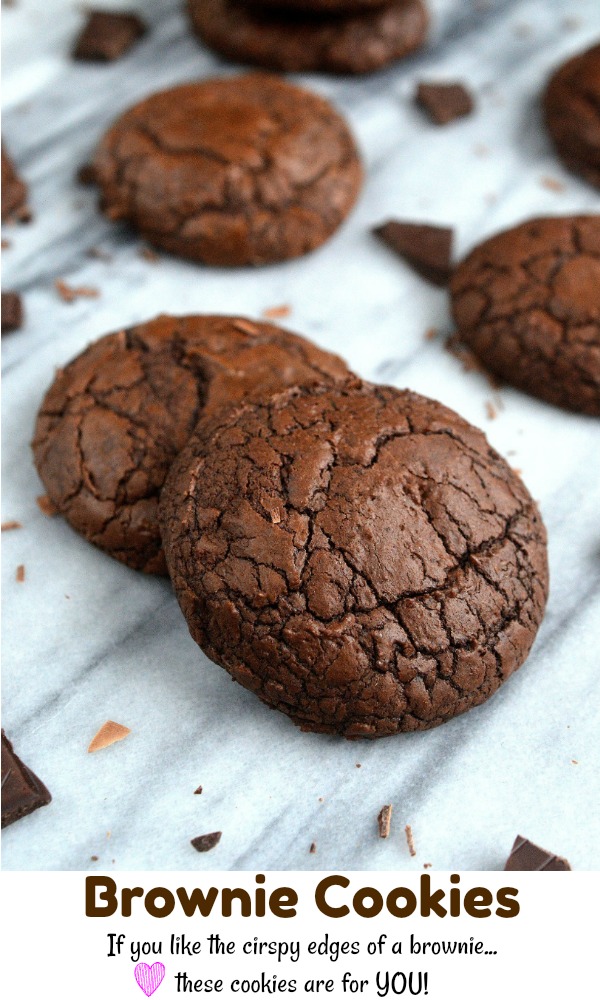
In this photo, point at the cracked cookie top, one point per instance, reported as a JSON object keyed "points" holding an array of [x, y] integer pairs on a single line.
{"points": [[572, 109], [527, 302], [115, 418], [358, 556], [356, 41], [230, 171]]}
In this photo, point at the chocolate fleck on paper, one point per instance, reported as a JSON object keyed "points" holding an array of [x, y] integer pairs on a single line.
{"points": [[110, 732], [206, 841], [384, 821]]}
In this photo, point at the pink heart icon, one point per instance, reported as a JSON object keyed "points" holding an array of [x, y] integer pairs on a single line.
{"points": [[149, 977]]}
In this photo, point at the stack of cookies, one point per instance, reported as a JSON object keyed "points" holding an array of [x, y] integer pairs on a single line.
{"points": [[331, 36], [355, 554]]}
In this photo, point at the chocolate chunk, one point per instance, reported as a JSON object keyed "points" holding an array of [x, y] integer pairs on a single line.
{"points": [[22, 790], [428, 249], [107, 36], [206, 841], [12, 311], [14, 193], [528, 857], [444, 102]]}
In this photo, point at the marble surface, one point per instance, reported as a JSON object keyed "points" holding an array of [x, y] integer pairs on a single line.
{"points": [[86, 639]]}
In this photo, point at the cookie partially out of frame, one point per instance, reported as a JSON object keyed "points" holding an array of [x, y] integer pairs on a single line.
{"points": [[319, 6], [231, 171], [358, 556], [357, 42], [527, 302], [572, 109], [115, 418]]}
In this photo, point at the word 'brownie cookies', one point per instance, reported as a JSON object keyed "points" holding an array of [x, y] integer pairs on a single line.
{"points": [[115, 418], [360, 41], [357, 556], [572, 109], [527, 302], [231, 171]]}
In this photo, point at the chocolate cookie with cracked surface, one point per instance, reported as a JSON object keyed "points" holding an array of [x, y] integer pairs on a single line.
{"points": [[527, 302], [357, 556], [115, 418], [357, 42], [572, 110], [233, 171]]}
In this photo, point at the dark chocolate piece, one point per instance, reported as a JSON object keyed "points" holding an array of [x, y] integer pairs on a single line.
{"points": [[12, 311], [444, 102], [528, 857], [14, 193], [206, 841], [107, 36], [428, 249], [22, 790]]}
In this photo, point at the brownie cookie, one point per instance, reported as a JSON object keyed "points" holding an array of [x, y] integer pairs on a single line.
{"points": [[527, 302], [572, 109], [233, 171], [14, 193], [358, 42], [357, 556], [115, 418]]}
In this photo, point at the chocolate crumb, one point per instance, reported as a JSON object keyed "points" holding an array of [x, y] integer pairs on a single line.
{"points": [[384, 821], [46, 505], [552, 184], [444, 102], [69, 294], [206, 841], [107, 36], [5, 244], [94, 857], [359, 765], [410, 840], [432, 333], [277, 312], [313, 848], [11, 525], [110, 732], [12, 312], [150, 255], [96, 253], [86, 174], [427, 249], [574, 762], [198, 790], [490, 410], [20, 574], [427, 865]]}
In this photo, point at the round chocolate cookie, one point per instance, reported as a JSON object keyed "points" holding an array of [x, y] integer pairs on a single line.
{"points": [[527, 302], [357, 556], [572, 109], [233, 171], [358, 42], [115, 418]]}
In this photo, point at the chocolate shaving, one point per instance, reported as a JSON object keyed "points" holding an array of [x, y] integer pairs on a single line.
{"points": [[69, 294], [110, 732], [12, 312], [445, 102], [11, 525], [410, 840], [384, 821]]}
